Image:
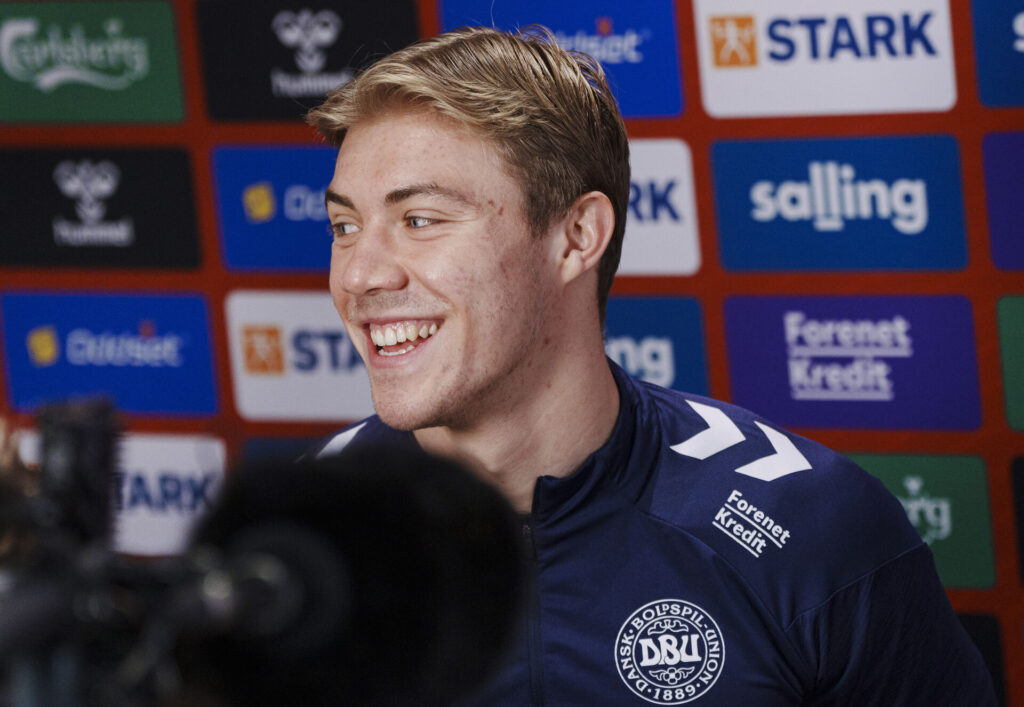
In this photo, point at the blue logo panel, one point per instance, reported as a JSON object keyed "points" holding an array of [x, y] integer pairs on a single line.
{"points": [[857, 362], [151, 355], [1004, 177], [999, 43], [851, 204], [635, 42], [658, 339], [271, 205]]}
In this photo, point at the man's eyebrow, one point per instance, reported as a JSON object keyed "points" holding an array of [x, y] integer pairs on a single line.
{"points": [[428, 189], [399, 195], [337, 198]]}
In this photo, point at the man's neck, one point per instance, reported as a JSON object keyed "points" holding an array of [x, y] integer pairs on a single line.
{"points": [[549, 431]]}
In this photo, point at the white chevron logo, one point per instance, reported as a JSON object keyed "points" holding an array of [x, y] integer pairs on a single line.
{"points": [[787, 459], [723, 433]]}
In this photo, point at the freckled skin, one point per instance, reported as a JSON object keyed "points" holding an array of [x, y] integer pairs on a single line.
{"points": [[476, 266]]}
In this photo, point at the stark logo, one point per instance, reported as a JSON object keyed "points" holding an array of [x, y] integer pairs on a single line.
{"points": [[263, 351], [734, 41], [89, 184], [669, 652]]}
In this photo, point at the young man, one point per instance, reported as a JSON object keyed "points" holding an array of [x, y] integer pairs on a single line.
{"points": [[684, 549]]}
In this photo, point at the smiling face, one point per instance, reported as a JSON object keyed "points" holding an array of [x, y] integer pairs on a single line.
{"points": [[435, 273]]}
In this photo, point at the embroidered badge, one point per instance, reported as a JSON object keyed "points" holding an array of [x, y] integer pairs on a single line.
{"points": [[670, 652]]}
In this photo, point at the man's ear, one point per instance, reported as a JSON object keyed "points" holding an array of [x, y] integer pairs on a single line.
{"points": [[585, 233]]}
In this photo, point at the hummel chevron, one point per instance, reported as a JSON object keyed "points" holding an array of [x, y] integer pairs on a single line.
{"points": [[723, 433], [786, 460]]}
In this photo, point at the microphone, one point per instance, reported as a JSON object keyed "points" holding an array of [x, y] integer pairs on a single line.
{"points": [[376, 576], [281, 584]]}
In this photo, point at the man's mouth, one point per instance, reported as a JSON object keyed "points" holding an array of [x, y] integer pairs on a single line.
{"points": [[398, 338]]}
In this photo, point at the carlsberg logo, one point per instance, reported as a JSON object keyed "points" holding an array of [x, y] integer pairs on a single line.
{"points": [[53, 58]]}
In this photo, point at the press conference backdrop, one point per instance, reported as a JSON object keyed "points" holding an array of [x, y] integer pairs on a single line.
{"points": [[826, 224]]}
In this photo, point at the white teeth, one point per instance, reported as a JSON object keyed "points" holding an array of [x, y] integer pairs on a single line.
{"points": [[406, 350], [398, 333]]}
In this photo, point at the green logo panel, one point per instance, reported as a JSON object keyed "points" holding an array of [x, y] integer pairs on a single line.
{"points": [[1011, 343], [88, 62], [946, 499]]}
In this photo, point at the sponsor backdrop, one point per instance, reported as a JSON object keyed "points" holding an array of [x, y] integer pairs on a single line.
{"points": [[825, 225]]}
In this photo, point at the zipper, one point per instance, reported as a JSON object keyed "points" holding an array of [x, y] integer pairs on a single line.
{"points": [[533, 642]]}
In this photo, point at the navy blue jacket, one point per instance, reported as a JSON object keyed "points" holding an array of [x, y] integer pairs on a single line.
{"points": [[704, 555]]}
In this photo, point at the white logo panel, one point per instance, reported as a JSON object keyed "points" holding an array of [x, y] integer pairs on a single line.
{"points": [[824, 57], [661, 222], [291, 358], [163, 486]]}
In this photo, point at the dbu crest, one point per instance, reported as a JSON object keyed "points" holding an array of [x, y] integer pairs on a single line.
{"points": [[669, 652]]}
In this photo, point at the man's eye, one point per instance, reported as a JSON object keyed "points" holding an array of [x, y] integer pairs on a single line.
{"points": [[342, 228], [420, 221]]}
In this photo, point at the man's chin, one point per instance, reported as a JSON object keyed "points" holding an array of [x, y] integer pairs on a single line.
{"points": [[402, 417], [399, 423]]}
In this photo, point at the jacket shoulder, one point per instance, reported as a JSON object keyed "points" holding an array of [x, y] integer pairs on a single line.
{"points": [[795, 519]]}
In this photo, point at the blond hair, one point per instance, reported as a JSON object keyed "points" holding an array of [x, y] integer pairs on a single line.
{"points": [[549, 112]]}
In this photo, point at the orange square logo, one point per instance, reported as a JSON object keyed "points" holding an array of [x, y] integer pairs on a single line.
{"points": [[734, 41], [264, 354]]}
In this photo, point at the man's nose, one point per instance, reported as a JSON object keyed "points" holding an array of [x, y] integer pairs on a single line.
{"points": [[372, 264]]}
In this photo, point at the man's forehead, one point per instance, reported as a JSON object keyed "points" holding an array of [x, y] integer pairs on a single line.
{"points": [[419, 115], [400, 153]]}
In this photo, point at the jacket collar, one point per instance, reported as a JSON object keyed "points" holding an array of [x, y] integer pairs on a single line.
{"points": [[623, 462]]}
